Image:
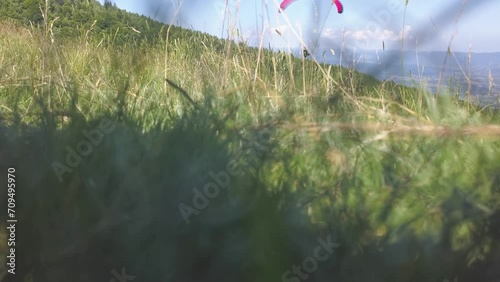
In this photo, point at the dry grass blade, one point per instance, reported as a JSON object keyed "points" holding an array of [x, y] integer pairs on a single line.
{"points": [[487, 130], [183, 92]]}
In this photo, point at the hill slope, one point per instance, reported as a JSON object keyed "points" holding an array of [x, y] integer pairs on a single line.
{"points": [[70, 19], [199, 159]]}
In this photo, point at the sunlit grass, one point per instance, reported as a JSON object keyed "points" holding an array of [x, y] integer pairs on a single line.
{"points": [[377, 164]]}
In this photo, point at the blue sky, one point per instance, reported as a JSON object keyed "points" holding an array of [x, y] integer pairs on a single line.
{"points": [[363, 25]]}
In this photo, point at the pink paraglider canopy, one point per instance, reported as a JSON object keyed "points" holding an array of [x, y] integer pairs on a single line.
{"points": [[287, 3]]}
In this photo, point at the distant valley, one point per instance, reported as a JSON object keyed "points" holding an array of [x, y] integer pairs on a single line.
{"points": [[425, 68]]}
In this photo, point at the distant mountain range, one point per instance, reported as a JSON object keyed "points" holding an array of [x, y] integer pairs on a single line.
{"points": [[425, 68]]}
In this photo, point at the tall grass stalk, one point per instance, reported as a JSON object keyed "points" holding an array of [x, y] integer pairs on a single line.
{"points": [[407, 184]]}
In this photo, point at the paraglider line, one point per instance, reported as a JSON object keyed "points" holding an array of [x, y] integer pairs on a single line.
{"points": [[321, 30]]}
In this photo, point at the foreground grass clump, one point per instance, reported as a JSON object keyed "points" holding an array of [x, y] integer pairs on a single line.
{"points": [[406, 184], [128, 213]]}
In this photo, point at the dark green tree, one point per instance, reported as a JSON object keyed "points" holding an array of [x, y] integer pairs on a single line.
{"points": [[107, 4], [32, 10]]}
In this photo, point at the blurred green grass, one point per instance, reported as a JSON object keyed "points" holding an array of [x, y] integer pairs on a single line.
{"points": [[407, 183]]}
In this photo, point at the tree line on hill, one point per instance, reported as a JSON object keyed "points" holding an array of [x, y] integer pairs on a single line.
{"points": [[72, 18]]}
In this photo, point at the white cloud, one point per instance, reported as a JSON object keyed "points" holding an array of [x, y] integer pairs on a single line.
{"points": [[365, 37], [366, 34]]}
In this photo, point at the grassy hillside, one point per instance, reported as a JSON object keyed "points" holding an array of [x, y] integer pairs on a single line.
{"points": [[199, 159]]}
